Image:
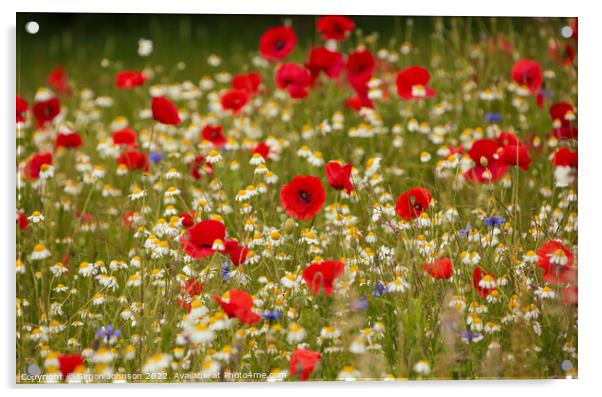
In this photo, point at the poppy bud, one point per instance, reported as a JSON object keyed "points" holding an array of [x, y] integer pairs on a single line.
{"points": [[289, 226]]}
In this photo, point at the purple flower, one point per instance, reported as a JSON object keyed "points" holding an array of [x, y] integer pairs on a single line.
{"points": [[274, 315], [494, 221], [379, 289], [358, 305]]}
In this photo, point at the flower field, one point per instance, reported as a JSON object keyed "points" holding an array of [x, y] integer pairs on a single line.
{"points": [[326, 199]]}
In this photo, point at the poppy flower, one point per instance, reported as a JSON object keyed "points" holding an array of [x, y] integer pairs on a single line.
{"points": [[214, 134], [236, 252], [412, 83], [239, 305], [199, 167], [303, 362], [68, 140], [294, 78], [564, 56], [248, 82], [322, 275], [134, 160], [303, 197], [526, 72], [360, 66], [22, 107], [45, 111], [339, 176], [565, 157], [125, 137], [515, 155], [35, 163], [508, 138], [22, 220], [277, 42], [164, 111], [234, 100], [187, 218], [440, 269], [357, 102], [68, 363], [57, 79], [570, 295], [335, 27], [488, 167], [321, 59], [556, 260], [483, 282], [127, 219], [197, 241], [563, 126], [191, 288], [413, 203], [129, 79], [263, 149]]}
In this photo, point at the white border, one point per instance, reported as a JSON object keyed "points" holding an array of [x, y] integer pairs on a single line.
{"points": [[590, 194]]}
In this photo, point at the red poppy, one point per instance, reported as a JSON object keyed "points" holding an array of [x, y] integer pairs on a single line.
{"points": [[277, 42], [563, 56], [357, 102], [134, 160], [69, 140], [191, 288], [199, 167], [556, 260], [563, 127], [335, 27], [413, 203], [575, 26], [303, 363], [45, 111], [68, 363], [236, 252], [360, 66], [198, 240], [526, 72], [34, 166], [234, 100], [22, 220], [488, 167], [129, 79], [565, 157], [263, 149], [214, 134], [515, 155], [440, 269], [322, 275], [125, 136], [164, 111], [294, 78], [303, 197], [339, 176], [239, 305], [508, 138], [248, 82], [22, 107], [570, 295], [187, 218], [321, 59], [412, 83], [59, 82], [127, 219], [477, 276]]}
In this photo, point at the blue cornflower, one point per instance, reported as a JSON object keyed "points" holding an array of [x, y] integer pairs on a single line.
{"points": [[494, 221], [379, 289], [465, 232], [108, 334], [156, 157], [275, 315], [225, 272], [358, 305], [468, 336], [493, 117]]}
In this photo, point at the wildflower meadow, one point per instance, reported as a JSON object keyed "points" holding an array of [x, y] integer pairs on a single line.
{"points": [[295, 198]]}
